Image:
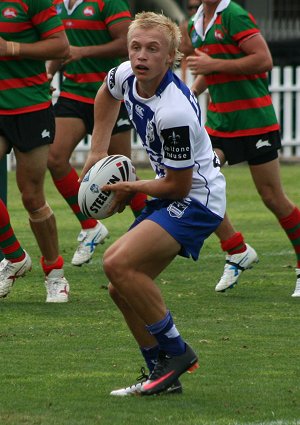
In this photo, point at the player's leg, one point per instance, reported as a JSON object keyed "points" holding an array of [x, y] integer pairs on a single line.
{"points": [[16, 261], [240, 255], [30, 173], [4, 147], [120, 144], [147, 344], [130, 264], [267, 180], [68, 133], [70, 130], [127, 263]]}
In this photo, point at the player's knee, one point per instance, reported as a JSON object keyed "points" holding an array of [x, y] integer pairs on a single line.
{"points": [[113, 267], [32, 199], [110, 265], [56, 163], [40, 214]]}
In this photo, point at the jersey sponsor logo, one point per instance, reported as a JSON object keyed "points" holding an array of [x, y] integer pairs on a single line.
{"points": [[139, 110], [10, 12], [261, 143], [177, 143], [68, 24], [176, 209], [89, 11], [45, 133], [219, 35], [112, 78]]}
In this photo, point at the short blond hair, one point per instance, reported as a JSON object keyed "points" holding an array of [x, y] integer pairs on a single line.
{"points": [[151, 20]]}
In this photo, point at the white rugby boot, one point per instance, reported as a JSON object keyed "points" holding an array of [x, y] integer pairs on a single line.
{"points": [[297, 287], [234, 266], [9, 272], [57, 287], [88, 240]]}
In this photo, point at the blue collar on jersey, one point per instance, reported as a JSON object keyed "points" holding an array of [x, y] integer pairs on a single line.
{"points": [[168, 78]]}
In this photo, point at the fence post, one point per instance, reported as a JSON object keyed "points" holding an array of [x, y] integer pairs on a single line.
{"points": [[3, 184]]}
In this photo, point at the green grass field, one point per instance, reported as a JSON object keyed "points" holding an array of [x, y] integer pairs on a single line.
{"points": [[60, 362]]}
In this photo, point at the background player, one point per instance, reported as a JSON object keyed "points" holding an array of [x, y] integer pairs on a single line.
{"points": [[232, 59], [97, 35], [27, 125]]}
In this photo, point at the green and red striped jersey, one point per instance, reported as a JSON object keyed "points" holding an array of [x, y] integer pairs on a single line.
{"points": [[88, 24], [240, 105], [23, 82]]}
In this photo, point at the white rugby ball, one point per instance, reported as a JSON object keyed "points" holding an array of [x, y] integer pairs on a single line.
{"points": [[93, 201]]}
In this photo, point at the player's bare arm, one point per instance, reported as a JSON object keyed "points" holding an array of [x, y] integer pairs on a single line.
{"points": [[175, 185], [185, 46], [56, 46], [258, 59]]}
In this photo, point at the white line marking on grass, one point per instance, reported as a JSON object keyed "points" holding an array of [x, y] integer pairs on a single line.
{"points": [[281, 422]]}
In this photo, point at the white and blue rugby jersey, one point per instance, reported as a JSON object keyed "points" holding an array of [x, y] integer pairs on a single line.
{"points": [[169, 125]]}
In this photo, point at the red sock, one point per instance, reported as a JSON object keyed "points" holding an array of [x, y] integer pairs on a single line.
{"points": [[234, 245], [291, 225], [59, 263], [9, 244], [68, 187], [138, 203]]}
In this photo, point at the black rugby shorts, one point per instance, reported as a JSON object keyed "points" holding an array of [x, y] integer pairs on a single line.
{"points": [[30, 130]]}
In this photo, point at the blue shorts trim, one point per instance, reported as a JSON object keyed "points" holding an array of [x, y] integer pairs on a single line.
{"points": [[187, 221]]}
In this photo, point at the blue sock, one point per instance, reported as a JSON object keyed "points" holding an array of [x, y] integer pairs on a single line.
{"points": [[150, 355], [167, 335]]}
